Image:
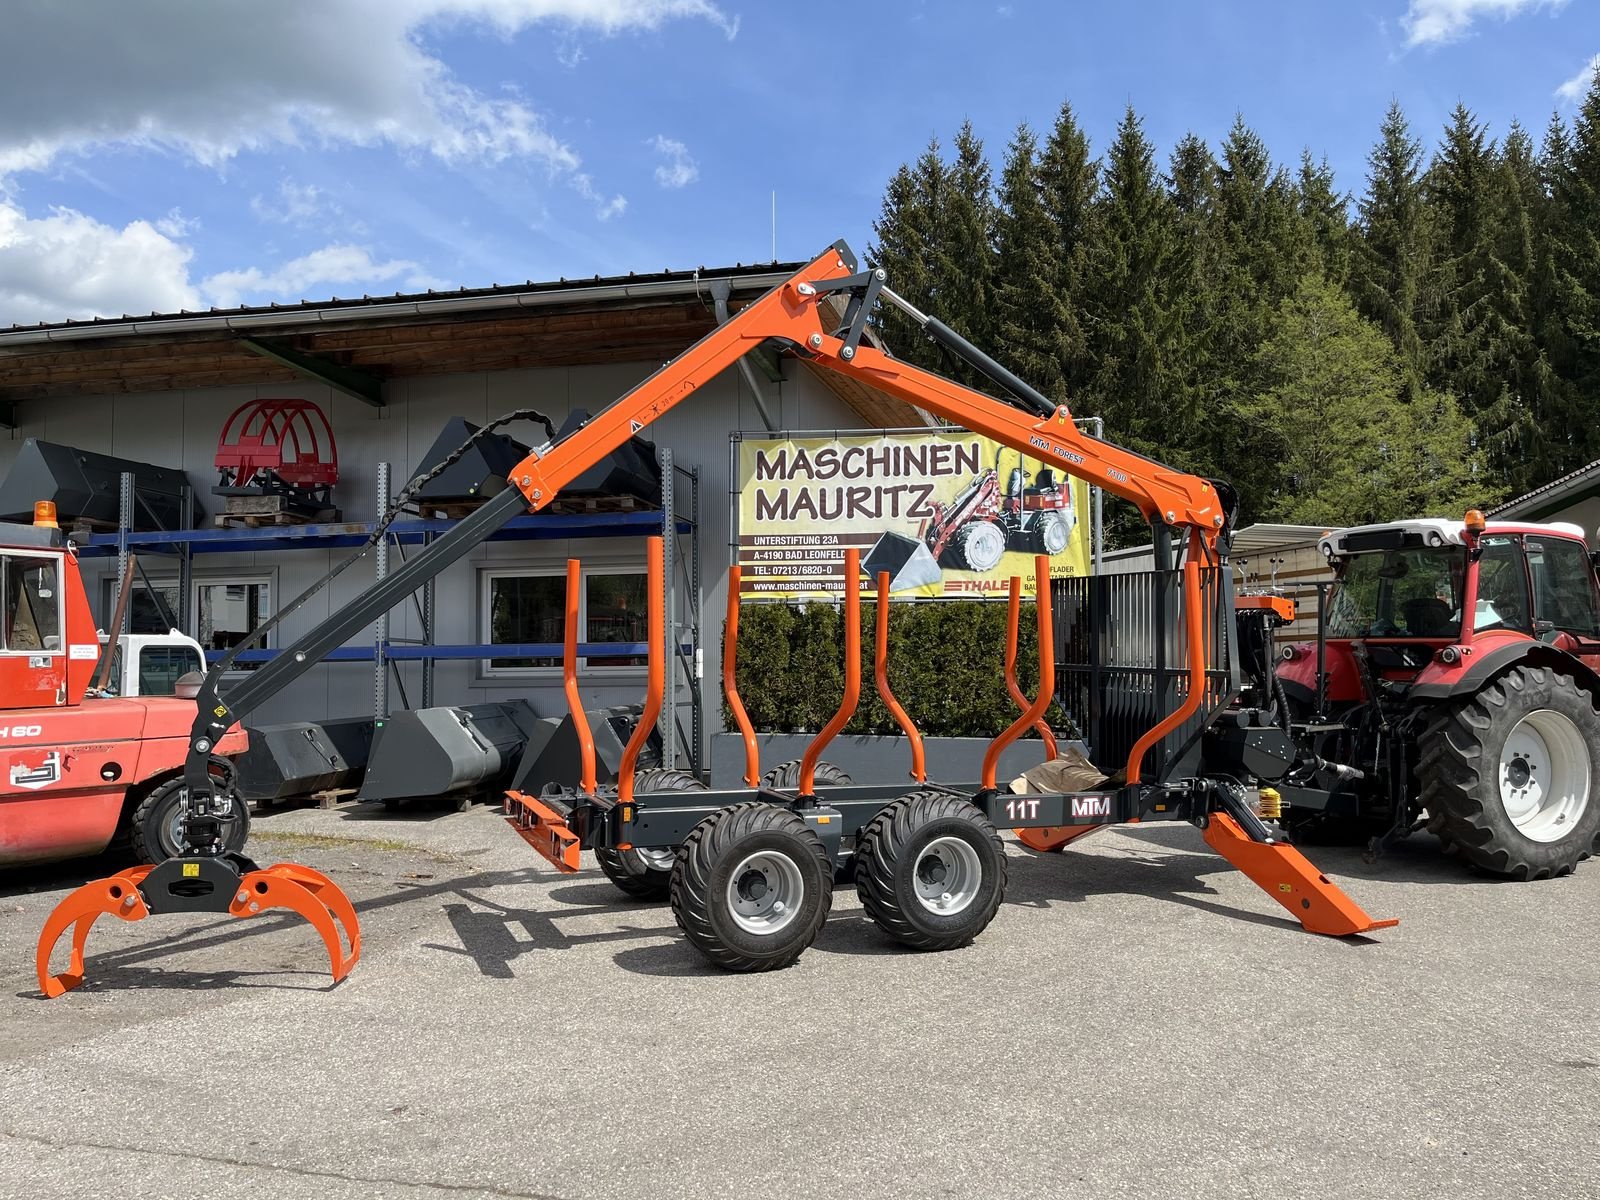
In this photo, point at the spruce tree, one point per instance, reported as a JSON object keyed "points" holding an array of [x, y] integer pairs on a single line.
{"points": [[905, 246], [1068, 181], [1389, 274], [1326, 213], [1575, 176], [964, 246], [1030, 311]]}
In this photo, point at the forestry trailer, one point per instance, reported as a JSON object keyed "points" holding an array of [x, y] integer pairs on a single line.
{"points": [[750, 871], [1406, 715]]}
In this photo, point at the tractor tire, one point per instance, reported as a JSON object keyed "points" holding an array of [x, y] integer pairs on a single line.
{"points": [[752, 887], [1508, 775], [930, 870], [646, 874], [976, 546], [1051, 533], [153, 826], [786, 776]]}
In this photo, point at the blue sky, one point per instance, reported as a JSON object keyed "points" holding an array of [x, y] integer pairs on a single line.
{"points": [[160, 154]]}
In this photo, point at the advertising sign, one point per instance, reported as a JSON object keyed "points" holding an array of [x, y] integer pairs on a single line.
{"points": [[949, 515]]}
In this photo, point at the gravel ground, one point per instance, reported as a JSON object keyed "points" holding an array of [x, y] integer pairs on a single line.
{"points": [[1139, 1021]]}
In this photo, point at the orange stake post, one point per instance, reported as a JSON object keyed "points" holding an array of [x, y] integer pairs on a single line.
{"points": [[655, 577], [880, 668], [730, 685], [569, 677], [1047, 673], [1013, 626], [852, 673], [1194, 627]]}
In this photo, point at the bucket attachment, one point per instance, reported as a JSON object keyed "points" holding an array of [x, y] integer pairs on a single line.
{"points": [[228, 883], [906, 560], [1285, 874]]}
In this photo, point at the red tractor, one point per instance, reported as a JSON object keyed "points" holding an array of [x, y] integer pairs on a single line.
{"points": [[82, 768], [979, 525], [1453, 688]]}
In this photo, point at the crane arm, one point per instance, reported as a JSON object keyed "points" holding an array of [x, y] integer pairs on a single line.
{"points": [[795, 315]]}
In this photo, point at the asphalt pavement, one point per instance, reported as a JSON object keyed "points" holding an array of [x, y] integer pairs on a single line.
{"points": [[1139, 1021]]}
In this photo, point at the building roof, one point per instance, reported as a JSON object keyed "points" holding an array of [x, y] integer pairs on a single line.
{"points": [[355, 344], [1553, 496]]}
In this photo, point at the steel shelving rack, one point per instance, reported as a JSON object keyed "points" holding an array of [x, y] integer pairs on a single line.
{"points": [[683, 725]]}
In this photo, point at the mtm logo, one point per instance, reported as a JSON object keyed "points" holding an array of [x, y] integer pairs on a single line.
{"points": [[1091, 806]]}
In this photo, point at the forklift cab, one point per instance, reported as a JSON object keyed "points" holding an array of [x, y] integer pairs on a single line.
{"points": [[33, 654]]}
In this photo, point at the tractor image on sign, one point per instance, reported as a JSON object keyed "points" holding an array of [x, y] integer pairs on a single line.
{"points": [[979, 525]]}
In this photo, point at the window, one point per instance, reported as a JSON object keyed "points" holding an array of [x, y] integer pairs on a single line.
{"points": [[226, 610], [1563, 586], [522, 607], [32, 591], [1502, 586], [160, 668], [1399, 593]]}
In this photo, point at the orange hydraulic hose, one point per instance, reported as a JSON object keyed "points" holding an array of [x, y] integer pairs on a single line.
{"points": [[852, 673], [730, 687], [569, 677], [656, 683], [1194, 628], [1047, 673], [880, 666], [1013, 625]]}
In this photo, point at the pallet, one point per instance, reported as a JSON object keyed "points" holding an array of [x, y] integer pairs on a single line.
{"points": [[456, 510], [333, 796], [253, 512]]}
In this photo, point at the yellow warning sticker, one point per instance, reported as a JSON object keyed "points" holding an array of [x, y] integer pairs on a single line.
{"points": [[1286, 887], [190, 870]]}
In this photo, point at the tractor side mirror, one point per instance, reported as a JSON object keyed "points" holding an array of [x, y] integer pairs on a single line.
{"points": [[188, 684]]}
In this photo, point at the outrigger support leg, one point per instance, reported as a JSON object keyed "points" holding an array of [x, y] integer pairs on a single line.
{"points": [[1285, 874], [224, 883]]}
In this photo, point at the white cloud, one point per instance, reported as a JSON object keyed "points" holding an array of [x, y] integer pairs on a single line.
{"points": [[1428, 21], [295, 204], [679, 170], [70, 265], [312, 276], [213, 80], [1575, 89]]}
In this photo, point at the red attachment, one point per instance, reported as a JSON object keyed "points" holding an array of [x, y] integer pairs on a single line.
{"points": [[655, 580], [544, 829], [880, 667], [1013, 624], [852, 673], [287, 438], [1047, 673], [569, 677], [285, 885], [730, 686]]}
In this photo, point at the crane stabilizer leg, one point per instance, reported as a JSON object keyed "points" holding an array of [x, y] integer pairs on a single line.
{"points": [[227, 883]]}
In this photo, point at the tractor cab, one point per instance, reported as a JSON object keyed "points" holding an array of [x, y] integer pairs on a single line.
{"points": [[48, 646], [1401, 590]]}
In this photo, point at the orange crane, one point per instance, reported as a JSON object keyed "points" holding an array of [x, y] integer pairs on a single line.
{"points": [[752, 870]]}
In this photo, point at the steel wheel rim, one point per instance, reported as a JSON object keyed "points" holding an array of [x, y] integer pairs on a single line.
{"points": [[765, 892], [947, 876], [1544, 775], [655, 859], [175, 825]]}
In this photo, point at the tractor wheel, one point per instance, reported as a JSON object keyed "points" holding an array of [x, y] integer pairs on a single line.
{"points": [[930, 870], [1051, 532], [155, 828], [976, 546], [1508, 775], [751, 887], [646, 874], [786, 776]]}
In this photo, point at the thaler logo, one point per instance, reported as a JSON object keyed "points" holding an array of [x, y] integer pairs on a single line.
{"points": [[20, 731]]}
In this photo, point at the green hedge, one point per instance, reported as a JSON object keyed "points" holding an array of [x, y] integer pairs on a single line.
{"points": [[946, 667]]}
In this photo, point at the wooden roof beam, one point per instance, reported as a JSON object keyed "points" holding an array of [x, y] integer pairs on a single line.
{"points": [[362, 385]]}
